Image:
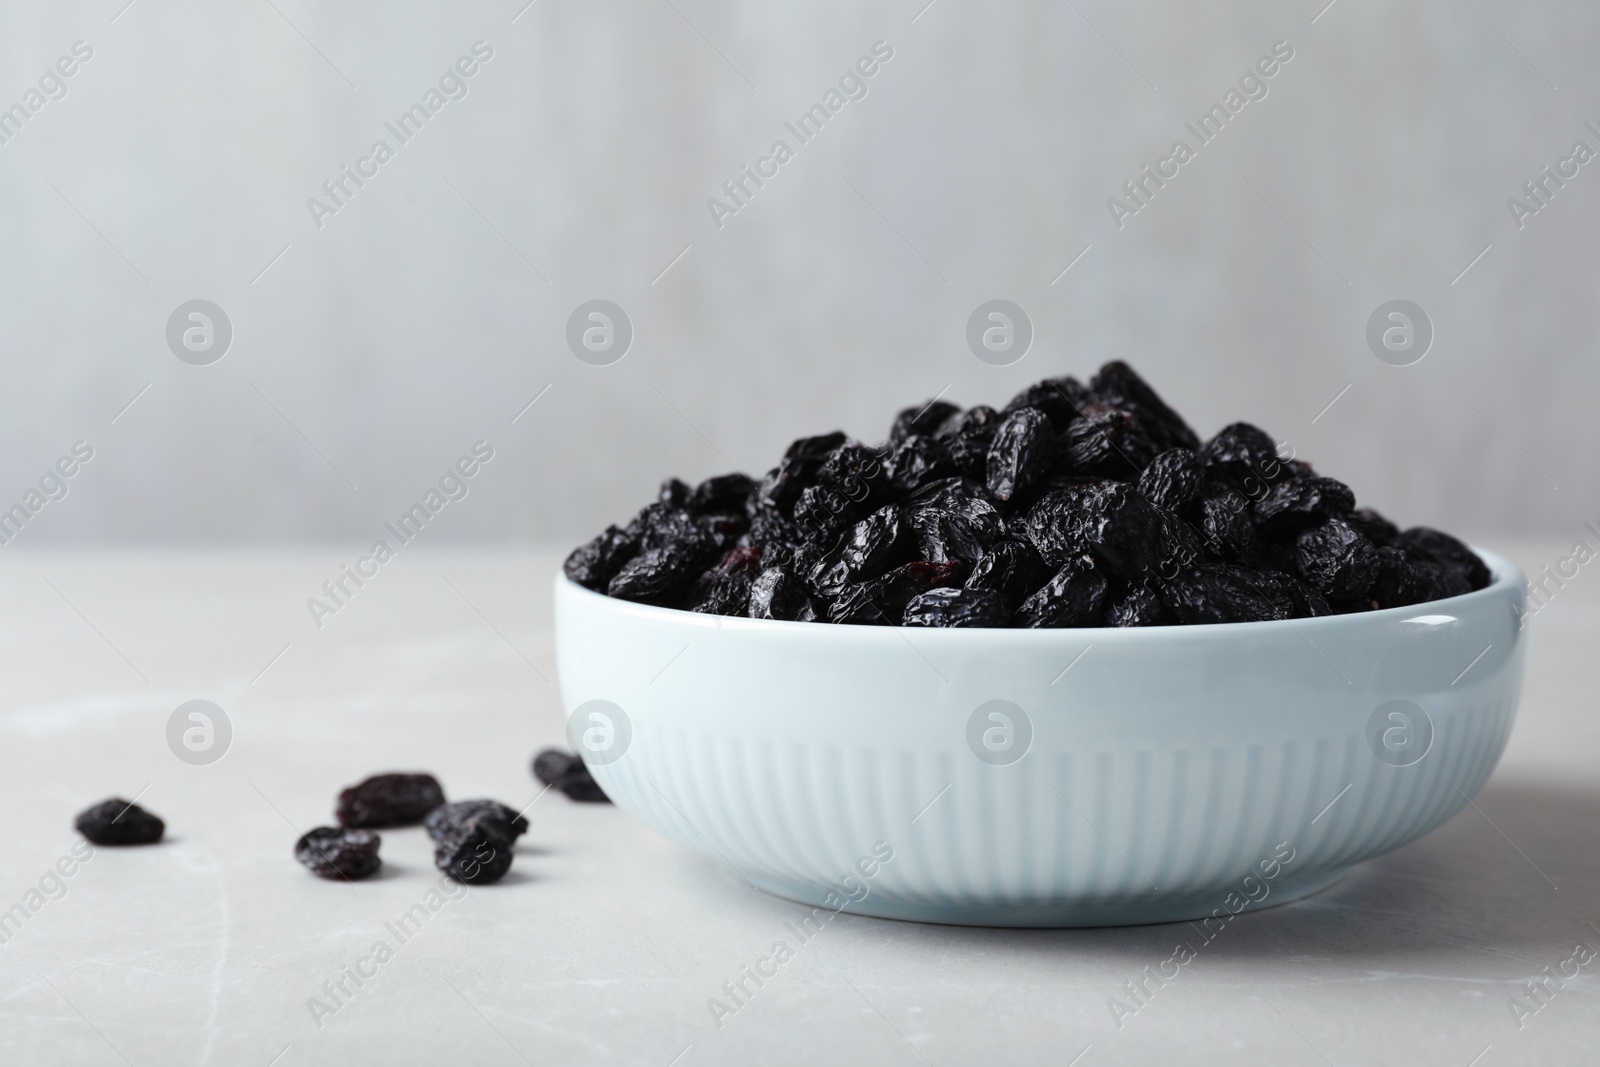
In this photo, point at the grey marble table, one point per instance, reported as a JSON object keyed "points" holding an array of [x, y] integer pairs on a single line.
{"points": [[606, 942]]}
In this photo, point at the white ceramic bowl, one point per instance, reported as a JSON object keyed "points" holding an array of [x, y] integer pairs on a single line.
{"points": [[1171, 773]]}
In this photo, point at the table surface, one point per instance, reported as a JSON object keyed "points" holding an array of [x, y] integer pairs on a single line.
{"points": [[606, 941]]}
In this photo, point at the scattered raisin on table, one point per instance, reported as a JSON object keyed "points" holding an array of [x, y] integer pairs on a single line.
{"points": [[568, 773], [451, 819], [475, 854], [1074, 505], [388, 800], [339, 852], [119, 822]]}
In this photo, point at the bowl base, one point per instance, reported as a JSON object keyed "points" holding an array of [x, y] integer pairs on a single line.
{"points": [[1051, 914]]}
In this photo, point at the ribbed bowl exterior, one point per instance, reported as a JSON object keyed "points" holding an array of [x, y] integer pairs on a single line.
{"points": [[1166, 765]]}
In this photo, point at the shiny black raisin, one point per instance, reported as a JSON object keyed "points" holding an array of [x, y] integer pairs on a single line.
{"points": [[1013, 569], [1173, 479], [119, 822], [957, 608], [568, 773], [1020, 453], [776, 594], [1074, 597], [1339, 562], [1119, 385], [339, 852], [388, 800]]}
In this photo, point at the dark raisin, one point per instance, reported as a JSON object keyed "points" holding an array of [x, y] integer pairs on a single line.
{"points": [[768, 525], [1074, 597], [980, 421], [1140, 607], [1442, 581], [1173, 479], [1020, 453], [1217, 592], [1120, 386], [723, 493], [822, 512], [1433, 546], [1225, 527], [1339, 562], [943, 535], [594, 564], [918, 460], [798, 469], [725, 530], [1138, 540], [568, 773], [388, 800], [1107, 441], [1011, 568], [957, 607], [1296, 503], [1061, 399], [952, 494], [119, 822], [923, 419], [776, 594], [451, 819], [674, 494], [1290, 597], [339, 852], [1058, 524], [478, 854], [1245, 456], [882, 601], [866, 551], [1379, 530], [660, 575], [718, 592], [1400, 581]]}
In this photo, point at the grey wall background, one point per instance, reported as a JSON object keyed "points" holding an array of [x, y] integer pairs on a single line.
{"points": [[432, 307]]}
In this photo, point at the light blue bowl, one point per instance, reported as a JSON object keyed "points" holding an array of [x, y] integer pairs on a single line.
{"points": [[1131, 776]]}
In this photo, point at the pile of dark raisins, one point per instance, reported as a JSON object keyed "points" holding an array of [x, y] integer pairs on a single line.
{"points": [[1075, 505]]}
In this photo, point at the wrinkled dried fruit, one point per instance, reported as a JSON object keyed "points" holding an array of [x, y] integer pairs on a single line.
{"points": [[1173, 479], [449, 820], [776, 594], [1074, 505], [1120, 386], [1061, 399], [568, 773], [882, 601], [957, 607], [1141, 607], [1439, 548], [1225, 528], [1218, 592], [478, 855], [388, 800], [723, 493], [922, 419], [1011, 568], [866, 551], [1379, 530], [339, 852], [1074, 597], [1020, 453], [1296, 503], [1339, 562], [594, 564], [1108, 442], [119, 822]]}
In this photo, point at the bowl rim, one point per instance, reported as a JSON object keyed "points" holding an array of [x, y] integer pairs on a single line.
{"points": [[1504, 575]]}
